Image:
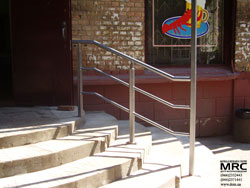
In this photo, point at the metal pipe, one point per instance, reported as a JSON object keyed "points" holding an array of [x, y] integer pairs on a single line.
{"points": [[131, 103], [160, 126], [79, 70], [109, 76], [129, 58], [193, 88], [137, 115], [107, 100], [132, 87], [184, 107]]}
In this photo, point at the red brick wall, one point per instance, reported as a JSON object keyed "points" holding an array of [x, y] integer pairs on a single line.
{"points": [[120, 24], [214, 105], [115, 23], [242, 92], [242, 45]]}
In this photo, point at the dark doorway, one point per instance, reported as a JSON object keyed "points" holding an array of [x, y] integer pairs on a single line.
{"points": [[41, 38], [6, 98]]}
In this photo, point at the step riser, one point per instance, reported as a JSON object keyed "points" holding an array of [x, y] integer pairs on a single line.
{"points": [[84, 144], [35, 137], [106, 176], [32, 135], [12, 168], [89, 146]]}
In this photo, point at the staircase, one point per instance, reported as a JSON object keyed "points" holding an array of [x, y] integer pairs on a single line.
{"points": [[69, 152]]}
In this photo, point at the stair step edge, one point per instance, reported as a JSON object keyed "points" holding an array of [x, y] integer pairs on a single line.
{"points": [[13, 137], [99, 169], [42, 155]]}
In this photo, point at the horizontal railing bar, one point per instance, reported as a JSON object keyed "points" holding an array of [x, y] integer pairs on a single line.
{"points": [[137, 115], [153, 69], [106, 99], [160, 126], [185, 107], [104, 73]]}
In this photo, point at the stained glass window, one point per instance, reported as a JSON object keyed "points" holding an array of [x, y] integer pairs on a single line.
{"points": [[168, 31]]}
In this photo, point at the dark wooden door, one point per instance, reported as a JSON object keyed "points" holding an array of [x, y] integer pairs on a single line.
{"points": [[41, 44]]}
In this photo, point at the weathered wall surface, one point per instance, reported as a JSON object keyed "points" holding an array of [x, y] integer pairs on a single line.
{"points": [[242, 36], [120, 24], [242, 55], [115, 23], [214, 105]]}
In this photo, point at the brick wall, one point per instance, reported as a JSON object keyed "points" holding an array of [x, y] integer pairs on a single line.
{"points": [[120, 24], [214, 105], [115, 23], [242, 45]]}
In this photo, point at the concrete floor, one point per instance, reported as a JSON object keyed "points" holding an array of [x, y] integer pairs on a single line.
{"points": [[225, 148], [13, 117], [209, 153]]}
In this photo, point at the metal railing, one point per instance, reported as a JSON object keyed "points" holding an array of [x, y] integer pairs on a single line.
{"points": [[130, 85], [133, 88]]}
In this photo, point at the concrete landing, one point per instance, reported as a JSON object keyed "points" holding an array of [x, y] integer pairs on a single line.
{"points": [[14, 117], [28, 125]]}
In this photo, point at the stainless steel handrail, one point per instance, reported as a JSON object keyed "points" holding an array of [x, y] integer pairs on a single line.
{"points": [[184, 107], [79, 65], [193, 86], [176, 133], [132, 87], [153, 69]]}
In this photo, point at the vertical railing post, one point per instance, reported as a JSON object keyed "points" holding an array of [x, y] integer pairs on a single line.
{"points": [[132, 103], [79, 70], [193, 88]]}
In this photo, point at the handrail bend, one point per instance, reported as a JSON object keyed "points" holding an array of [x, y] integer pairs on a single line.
{"points": [[131, 85], [133, 88], [192, 79], [153, 69], [137, 115], [184, 107]]}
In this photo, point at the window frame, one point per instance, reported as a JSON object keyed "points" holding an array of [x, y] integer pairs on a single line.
{"points": [[228, 37]]}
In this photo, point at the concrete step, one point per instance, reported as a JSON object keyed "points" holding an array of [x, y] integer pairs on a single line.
{"points": [[43, 155], [22, 126], [97, 154], [52, 153], [161, 169], [118, 161]]}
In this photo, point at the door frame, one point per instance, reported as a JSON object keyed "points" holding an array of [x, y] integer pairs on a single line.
{"points": [[70, 101]]}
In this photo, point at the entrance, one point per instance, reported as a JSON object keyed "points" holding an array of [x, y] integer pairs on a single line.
{"points": [[41, 45], [6, 97]]}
